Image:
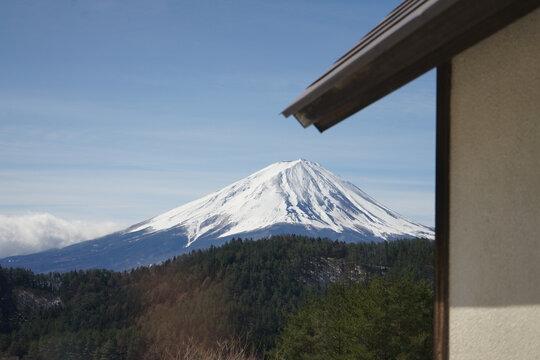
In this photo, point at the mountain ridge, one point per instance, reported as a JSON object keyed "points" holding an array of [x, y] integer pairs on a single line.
{"points": [[286, 197], [304, 192]]}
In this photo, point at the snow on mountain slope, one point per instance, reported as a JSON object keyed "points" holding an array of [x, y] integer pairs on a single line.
{"points": [[296, 192], [290, 197]]}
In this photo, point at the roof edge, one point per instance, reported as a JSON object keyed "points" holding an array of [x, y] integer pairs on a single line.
{"points": [[428, 35]]}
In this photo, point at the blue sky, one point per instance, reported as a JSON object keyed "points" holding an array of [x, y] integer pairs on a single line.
{"points": [[116, 111]]}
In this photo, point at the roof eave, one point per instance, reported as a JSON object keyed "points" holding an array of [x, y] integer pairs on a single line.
{"points": [[427, 37]]}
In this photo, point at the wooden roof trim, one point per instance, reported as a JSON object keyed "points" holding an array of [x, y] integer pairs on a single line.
{"points": [[390, 21], [383, 36], [414, 38]]}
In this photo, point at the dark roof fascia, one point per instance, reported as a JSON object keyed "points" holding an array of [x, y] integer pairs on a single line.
{"points": [[422, 35]]}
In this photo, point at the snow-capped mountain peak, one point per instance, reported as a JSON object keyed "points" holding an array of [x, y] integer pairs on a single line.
{"points": [[289, 197], [298, 192]]}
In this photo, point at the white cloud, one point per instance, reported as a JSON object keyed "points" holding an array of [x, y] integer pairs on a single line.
{"points": [[34, 232]]}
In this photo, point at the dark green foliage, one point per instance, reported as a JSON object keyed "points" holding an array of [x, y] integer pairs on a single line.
{"points": [[385, 319], [68, 316], [241, 291]]}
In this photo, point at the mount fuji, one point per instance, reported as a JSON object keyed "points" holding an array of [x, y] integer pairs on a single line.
{"points": [[288, 197]]}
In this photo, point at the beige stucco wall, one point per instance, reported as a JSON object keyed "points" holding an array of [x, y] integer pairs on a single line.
{"points": [[494, 250]]}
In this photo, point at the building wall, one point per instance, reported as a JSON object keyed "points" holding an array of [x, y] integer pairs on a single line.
{"points": [[494, 248]]}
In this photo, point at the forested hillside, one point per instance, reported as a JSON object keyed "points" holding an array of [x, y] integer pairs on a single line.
{"points": [[264, 299]]}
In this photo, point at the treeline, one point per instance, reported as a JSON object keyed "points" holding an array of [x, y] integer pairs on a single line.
{"points": [[250, 293], [76, 315], [383, 319]]}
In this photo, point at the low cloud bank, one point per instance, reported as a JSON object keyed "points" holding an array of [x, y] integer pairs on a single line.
{"points": [[30, 233]]}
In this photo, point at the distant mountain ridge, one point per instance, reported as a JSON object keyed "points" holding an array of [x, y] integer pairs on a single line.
{"points": [[299, 197]]}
